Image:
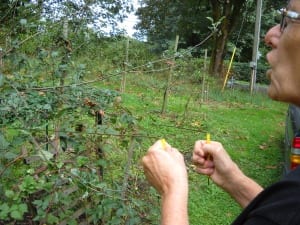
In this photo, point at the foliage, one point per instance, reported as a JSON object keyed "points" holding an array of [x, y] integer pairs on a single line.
{"points": [[161, 22], [56, 132], [241, 71], [63, 139], [96, 13]]}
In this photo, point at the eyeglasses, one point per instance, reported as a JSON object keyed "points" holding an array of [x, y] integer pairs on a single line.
{"points": [[287, 15]]}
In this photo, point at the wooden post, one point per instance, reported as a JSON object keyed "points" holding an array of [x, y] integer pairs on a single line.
{"points": [[1, 58], [123, 84], [205, 60], [203, 88], [255, 46], [67, 48], [207, 92], [127, 168], [65, 43], [99, 118], [171, 64]]}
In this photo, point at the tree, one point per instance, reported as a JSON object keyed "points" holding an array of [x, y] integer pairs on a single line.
{"points": [[234, 12], [164, 19], [228, 11], [97, 13], [161, 21]]}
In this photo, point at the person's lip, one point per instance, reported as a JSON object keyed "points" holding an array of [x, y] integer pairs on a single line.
{"points": [[272, 57], [268, 56], [268, 73]]}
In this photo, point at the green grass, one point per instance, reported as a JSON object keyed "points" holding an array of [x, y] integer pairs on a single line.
{"points": [[250, 127]]}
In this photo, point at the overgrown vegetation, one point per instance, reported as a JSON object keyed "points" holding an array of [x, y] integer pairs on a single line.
{"points": [[71, 137], [62, 159]]}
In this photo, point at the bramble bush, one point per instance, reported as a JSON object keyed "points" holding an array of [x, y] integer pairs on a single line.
{"points": [[63, 140]]}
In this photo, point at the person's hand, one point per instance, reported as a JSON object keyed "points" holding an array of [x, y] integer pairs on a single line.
{"points": [[165, 169], [212, 160]]}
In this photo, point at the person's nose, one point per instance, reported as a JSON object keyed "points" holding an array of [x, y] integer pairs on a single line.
{"points": [[272, 36]]}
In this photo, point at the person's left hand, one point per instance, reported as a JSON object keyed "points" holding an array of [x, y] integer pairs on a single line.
{"points": [[165, 168]]}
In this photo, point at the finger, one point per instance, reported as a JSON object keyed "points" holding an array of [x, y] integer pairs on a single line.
{"points": [[162, 144], [159, 145], [175, 154], [206, 171], [199, 154], [198, 148], [196, 159], [205, 164], [144, 160]]}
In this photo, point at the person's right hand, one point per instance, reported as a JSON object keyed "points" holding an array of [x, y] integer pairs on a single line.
{"points": [[165, 169], [212, 160]]}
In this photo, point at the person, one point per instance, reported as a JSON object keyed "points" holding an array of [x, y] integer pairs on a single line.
{"points": [[278, 204]]}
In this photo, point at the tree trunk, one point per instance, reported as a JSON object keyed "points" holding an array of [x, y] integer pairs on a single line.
{"points": [[230, 10], [216, 61]]}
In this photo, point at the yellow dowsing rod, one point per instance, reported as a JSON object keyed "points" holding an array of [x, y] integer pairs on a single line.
{"points": [[229, 67], [163, 143], [208, 138], [209, 156]]}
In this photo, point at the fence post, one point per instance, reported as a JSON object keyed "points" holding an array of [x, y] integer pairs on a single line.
{"points": [[1, 58], [171, 64], [123, 84], [203, 88], [127, 168], [205, 60]]}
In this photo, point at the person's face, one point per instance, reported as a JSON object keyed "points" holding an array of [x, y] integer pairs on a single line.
{"points": [[284, 59]]}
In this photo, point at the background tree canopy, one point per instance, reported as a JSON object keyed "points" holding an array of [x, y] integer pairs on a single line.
{"points": [[98, 14], [160, 22], [193, 20]]}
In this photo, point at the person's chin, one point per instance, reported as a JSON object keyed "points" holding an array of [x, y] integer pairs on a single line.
{"points": [[276, 95], [273, 93]]}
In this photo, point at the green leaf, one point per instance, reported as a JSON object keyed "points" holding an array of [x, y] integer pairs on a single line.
{"points": [[116, 221], [9, 194], [3, 143], [82, 161], [47, 107], [111, 131], [75, 171], [134, 220], [17, 211], [1, 79], [23, 22], [29, 185], [23, 208], [10, 155], [120, 212], [45, 155], [16, 215], [51, 219], [4, 211], [102, 162]]}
